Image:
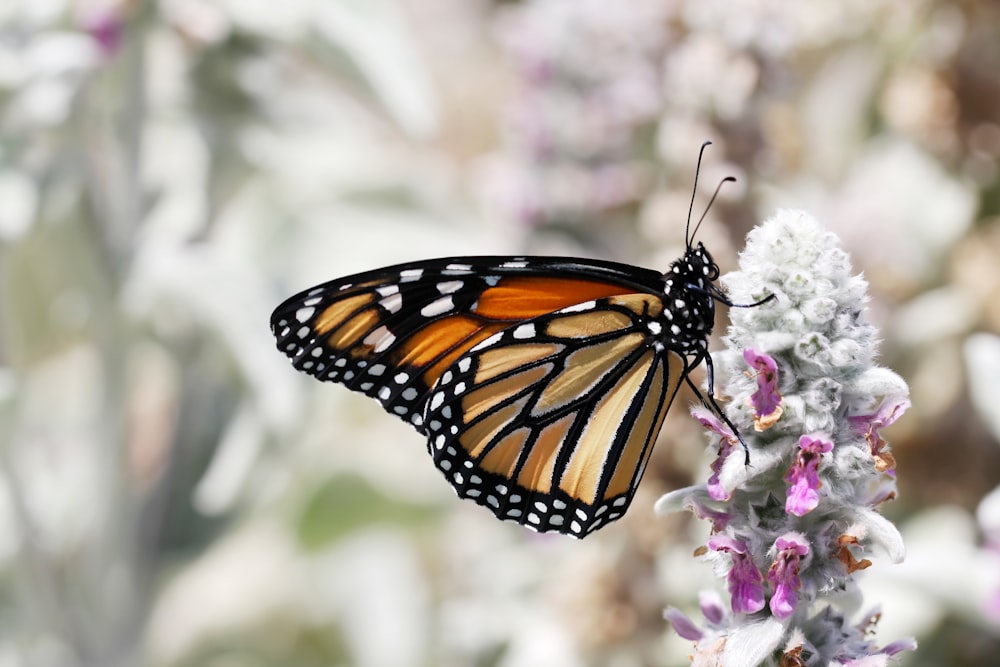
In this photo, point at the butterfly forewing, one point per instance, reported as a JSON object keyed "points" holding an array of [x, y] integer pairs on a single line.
{"points": [[391, 333], [551, 422]]}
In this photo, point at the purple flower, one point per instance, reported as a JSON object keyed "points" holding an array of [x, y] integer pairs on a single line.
{"points": [[745, 582], [784, 573], [727, 441], [718, 518], [888, 412], [106, 27], [803, 476], [711, 607], [683, 625], [766, 401], [898, 646]]}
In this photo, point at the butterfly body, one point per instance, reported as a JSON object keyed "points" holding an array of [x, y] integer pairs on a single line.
{"points": [[540, 383]]}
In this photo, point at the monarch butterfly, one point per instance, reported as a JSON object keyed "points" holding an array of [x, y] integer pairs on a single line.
{"points": [[540, 383]]}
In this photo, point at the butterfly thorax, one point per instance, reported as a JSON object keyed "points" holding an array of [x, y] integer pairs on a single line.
{"points": [[689, 308]]}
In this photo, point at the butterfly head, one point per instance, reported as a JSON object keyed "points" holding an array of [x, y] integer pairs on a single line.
{"points": [[696, 270]]}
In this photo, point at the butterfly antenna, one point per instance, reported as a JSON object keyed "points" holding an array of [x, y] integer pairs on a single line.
{"points": [[727, 179], [694, 190]]}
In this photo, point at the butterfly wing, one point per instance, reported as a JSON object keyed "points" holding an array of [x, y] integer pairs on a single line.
{"points": [[550, 422], [391, 333]]}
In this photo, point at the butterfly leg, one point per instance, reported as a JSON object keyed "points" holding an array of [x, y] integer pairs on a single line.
{"points": [[712, 405]]}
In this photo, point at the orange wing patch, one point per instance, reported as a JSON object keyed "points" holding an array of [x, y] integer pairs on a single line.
{"points": [[522, 298]]}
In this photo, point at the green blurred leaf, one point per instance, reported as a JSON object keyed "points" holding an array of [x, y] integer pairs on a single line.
{"points": [[347, 503]]}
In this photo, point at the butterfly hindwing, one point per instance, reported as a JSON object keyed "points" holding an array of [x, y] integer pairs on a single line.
{"points": [[391, 333], [550, 422]]}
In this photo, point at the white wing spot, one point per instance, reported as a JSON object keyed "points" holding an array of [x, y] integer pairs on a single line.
{"points": [[387, 290], [436, 402], [313, 301], [376, 370], [459, 388], [303, 314], [654, 327], [409, 394], [302, 332], [492, 340], [380, 339], [524, 331], [513, 265], [533, 518], [393, 303], [401, 378], [317, 352], [449, 287], [384, 393], [464, 364], [586, 305], [557, 520], [438, 307], [459, 267], [410, 275]]}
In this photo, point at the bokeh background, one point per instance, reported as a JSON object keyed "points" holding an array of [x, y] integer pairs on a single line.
{"points": [[173, 494]]}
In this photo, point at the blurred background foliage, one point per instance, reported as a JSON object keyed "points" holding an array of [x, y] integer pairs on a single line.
{"points": [[172, 493]]}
